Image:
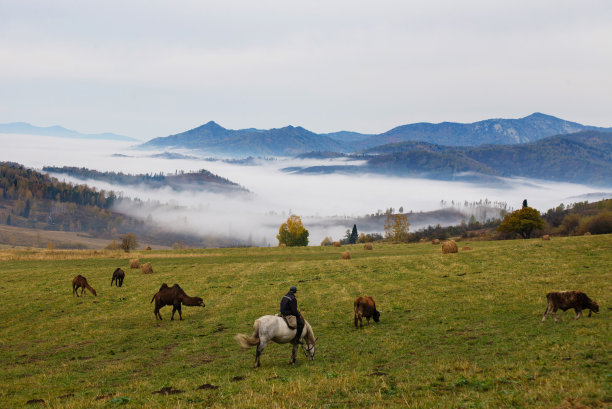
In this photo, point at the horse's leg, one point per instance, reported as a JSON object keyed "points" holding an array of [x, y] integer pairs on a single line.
{"points": [[293, 354], [260, 348]]}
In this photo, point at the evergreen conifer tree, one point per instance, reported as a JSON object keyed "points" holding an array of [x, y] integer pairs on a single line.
{"points": [[354, 235]]}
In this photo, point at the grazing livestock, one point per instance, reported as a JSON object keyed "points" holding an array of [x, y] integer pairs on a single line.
{"points": [[174, 296], [365, 307], [274, 328], [118, 276], [565, 300], [80, 281]]}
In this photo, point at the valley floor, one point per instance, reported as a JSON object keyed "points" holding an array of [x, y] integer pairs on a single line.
{"points": [[456, 330]]}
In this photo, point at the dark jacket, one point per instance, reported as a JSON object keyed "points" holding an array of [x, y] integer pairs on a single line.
{"points": [[288, 305]]}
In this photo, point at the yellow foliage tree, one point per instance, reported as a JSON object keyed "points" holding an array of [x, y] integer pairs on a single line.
{"points": [[292, 232]]}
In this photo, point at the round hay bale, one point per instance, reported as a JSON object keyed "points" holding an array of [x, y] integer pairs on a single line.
{"points": [[148, 248], [435, 241], [368, 246], [346, 255], [587, 233], [466, 248], [282, 245], [546, 237], [337, 244], [147, 268], [449, 247], [134, 263]]}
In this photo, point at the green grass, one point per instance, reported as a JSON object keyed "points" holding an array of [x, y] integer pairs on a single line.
{"points": [[456, 330]]}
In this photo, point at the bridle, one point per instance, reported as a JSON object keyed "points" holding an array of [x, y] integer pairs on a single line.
{"points": [[307, 349]]}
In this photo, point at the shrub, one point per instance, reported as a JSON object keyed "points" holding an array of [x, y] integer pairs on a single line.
{"points": [[327, 241], [598, 224]]}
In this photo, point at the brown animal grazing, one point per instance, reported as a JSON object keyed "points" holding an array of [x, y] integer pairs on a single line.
{"points": [[118, 276], [80, 281], [365, 307], [565, 300], [174, 296]]}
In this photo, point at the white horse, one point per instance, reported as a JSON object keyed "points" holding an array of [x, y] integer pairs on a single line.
{"points": [[274, 328]]}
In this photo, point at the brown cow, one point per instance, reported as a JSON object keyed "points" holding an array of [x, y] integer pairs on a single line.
{"points": [[80, 281], [565, 300], [365, 307], [174, 296], [118, 276]]}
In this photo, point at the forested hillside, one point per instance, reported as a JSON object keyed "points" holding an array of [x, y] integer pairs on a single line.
{"points": [[583, 157], [201, 179], [30, 199]]}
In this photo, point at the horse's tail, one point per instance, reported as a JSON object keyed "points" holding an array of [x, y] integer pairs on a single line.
{"points": [[245, 341]]}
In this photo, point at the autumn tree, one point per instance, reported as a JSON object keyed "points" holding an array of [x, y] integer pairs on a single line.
{"points": [[523, 221], [129, 241], [292, 232], [396, 227]]}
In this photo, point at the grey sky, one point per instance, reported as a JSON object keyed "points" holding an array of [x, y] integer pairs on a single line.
{"points": [[152, 68]]}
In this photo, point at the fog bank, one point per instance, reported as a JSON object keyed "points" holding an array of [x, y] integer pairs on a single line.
{"points": [[326, 203]]}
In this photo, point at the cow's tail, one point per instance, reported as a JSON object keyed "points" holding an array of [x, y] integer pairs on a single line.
{"points": [[247, 342]]}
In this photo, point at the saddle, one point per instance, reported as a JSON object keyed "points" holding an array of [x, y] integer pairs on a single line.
{"points": [[291, 321]]}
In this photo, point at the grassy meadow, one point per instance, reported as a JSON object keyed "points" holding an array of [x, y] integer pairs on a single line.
{"points": [[457, 330]]}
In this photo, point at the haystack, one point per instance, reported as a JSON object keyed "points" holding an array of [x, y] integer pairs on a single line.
{"points": [[449, 247], [134, 263], [148, 248], [282, 245], [546, 237], [147, 268], [435, 241], [587, 233], [466, 248], [337, 244], [367, 246], [346, 255]]}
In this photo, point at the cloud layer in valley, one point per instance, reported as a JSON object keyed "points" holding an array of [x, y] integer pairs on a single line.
{"points": [[326, 203]]}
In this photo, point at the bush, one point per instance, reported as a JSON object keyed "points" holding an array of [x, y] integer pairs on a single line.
{"points": [[598, 224]]}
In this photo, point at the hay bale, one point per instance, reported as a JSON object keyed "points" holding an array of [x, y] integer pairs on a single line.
{"points": [[449, 247], [346, 255], [282, 245], [466, 248], [367, 246], [134, 263], [587, 233], [546, 237], [147, 268], [148, 248], [337, 244], [435, 241]]}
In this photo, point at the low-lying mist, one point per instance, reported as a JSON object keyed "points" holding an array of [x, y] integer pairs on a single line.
{"points": [[328, 204]]}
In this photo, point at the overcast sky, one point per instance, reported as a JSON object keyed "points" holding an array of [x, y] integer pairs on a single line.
{"points": [[148, 68]]}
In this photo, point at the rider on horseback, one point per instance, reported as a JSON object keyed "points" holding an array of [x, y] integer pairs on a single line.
{"points": [[289, 308]]}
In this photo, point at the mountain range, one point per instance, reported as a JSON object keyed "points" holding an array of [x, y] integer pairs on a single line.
{"points": [[290, 140], [582, 157], [59, 131]]}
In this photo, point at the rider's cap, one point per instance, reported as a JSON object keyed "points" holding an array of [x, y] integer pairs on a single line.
{"points": [[293, 289]]}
